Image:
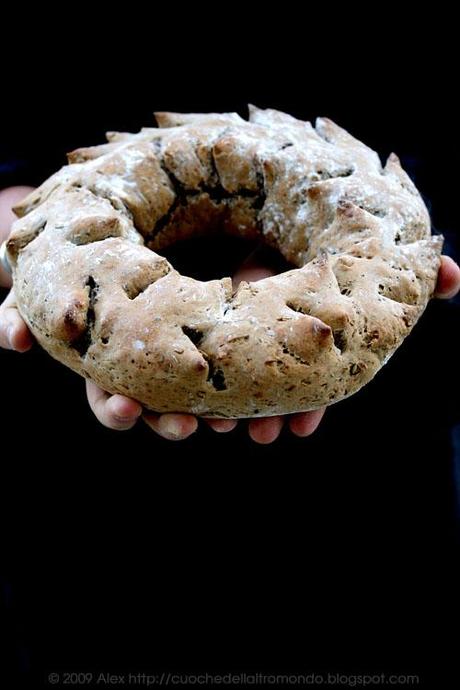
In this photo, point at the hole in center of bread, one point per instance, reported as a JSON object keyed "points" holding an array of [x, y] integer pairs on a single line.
{"points": [[218, 256]]}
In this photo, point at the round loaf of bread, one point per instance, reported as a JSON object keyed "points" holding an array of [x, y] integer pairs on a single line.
{"points": [[99, 298]]}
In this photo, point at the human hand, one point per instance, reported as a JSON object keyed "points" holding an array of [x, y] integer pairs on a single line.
{"points": [[14, 334], [120, 412]]}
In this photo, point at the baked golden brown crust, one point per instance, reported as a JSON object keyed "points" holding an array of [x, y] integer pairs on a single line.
{"points": [[98, 297]]}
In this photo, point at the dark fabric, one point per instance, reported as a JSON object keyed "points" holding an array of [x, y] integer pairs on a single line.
{"points": [[337, 552]]}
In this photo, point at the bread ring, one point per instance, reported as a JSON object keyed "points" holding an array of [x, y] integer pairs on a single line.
{"points": [[98, 297]]}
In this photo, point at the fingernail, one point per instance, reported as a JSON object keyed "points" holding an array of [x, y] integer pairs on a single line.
{"points": [[10, 333], [226, 426], [128, 418], [125, 420], [170, 428]]}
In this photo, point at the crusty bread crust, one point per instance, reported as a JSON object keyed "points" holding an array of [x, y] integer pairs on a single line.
{"points": [[99, 299]]}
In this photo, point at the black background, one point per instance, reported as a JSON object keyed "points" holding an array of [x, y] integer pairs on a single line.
{"points": [[334, 553]]}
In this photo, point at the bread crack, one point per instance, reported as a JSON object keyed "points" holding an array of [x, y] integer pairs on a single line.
{"points": [[216, 376], [83, 342], [215, 193], [193, 334]]}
